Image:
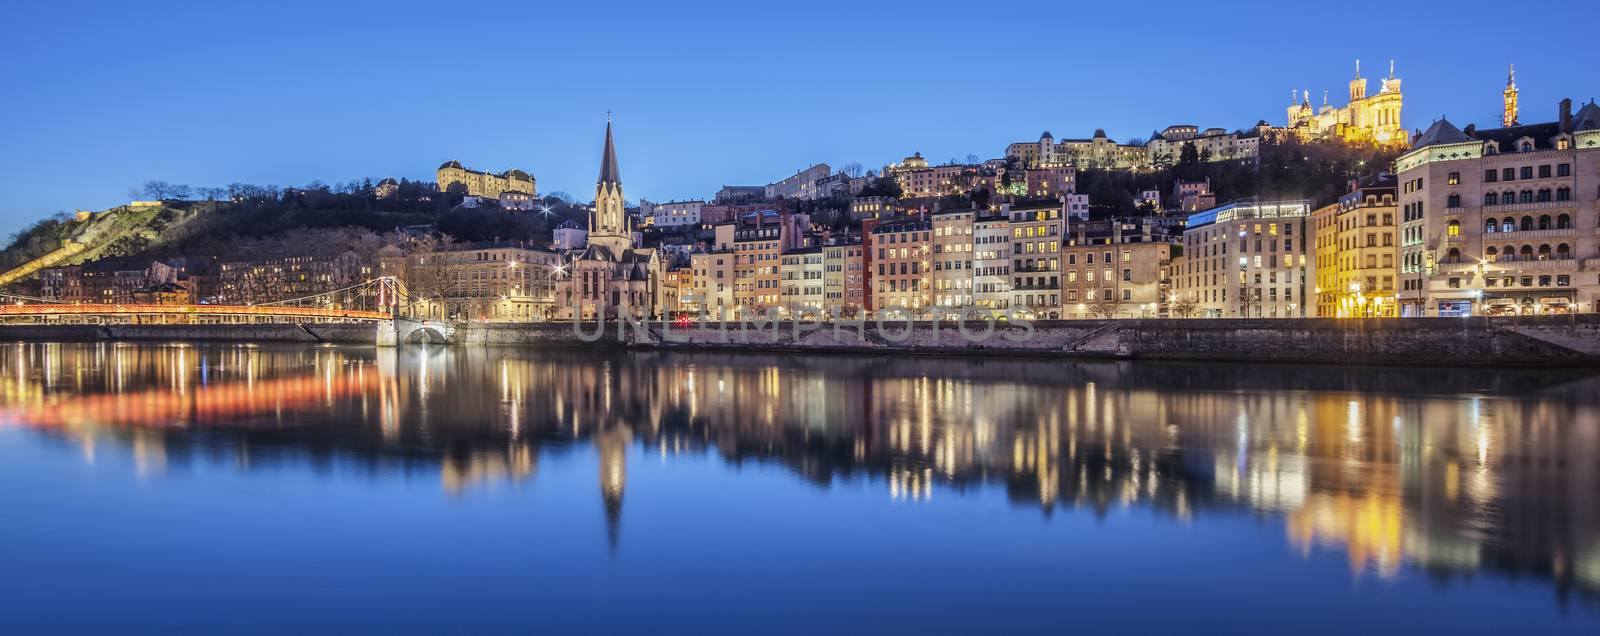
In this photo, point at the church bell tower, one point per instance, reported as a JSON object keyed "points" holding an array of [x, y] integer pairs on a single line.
{"points": [[608, 223]]}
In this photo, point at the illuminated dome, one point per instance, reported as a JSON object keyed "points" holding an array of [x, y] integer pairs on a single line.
{"points": [[914, 161]]}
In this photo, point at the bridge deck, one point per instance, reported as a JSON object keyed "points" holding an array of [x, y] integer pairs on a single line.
{"points": [[181, 313]]}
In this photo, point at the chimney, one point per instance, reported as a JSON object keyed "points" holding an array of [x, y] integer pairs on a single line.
{"points": [[1566, 115], [1470, 130]]}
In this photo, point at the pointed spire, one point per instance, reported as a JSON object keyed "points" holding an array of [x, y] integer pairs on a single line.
{"points": [[608, 161], [1511, 76], [1358, 68], [1391, 69]]}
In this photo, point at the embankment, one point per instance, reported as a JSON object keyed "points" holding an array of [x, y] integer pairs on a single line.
{"points": [[353, 333], [1554, 341]]}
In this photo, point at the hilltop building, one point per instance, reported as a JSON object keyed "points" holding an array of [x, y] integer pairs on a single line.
{"points": [[1365, 118], [484, 184]]}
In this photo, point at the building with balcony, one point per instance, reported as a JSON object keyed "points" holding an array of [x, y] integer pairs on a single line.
{"points": [[991, 263], [1503, 220], [1109, 274], [901, 266], [843, 280], [952, 261], [1036, 235]]}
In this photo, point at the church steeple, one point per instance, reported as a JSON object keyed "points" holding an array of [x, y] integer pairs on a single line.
{"points": [[608, 223], [608, 162], [1510, 94]]}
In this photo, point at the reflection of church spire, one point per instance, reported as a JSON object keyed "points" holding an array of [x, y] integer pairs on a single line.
{"points": [[613, 447]]}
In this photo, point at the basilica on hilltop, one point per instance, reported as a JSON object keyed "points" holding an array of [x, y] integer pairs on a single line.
{"points": [[1373, 118]]}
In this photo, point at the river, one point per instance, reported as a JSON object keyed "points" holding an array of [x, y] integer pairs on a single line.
{"points": [[206, 488]]}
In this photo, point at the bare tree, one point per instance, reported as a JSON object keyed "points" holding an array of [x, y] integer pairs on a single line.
{"points": [[1183, 308], [1107, 307]]}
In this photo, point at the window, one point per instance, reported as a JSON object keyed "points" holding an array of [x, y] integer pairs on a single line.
{"points": [[1508, 174], [1563, 169], [1452, 229], [1489, 176], [1453, 201], [1526, 172], [1491, 198], [1455, 177], [1544, 171]]}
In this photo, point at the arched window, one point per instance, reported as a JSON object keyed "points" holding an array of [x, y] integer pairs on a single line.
{"points": [[1453, 228], [1563, 194], [1509, 253], [1544, 221], [1490, 226], [1508, 225], [1452, 201], [1544, 195], [1491, 198], [1491, 254], [1526, 253], [1527, 146], [1508, 197], [1563, 252], [1527, 224], [1544, 252], [1453, 256], [1525, 197], [1564, 222]]}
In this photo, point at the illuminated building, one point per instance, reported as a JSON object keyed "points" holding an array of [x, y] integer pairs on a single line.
{"points": [[1165, 148], [477, 281], [991, 263], [671, 213], [245, 282], [713, 282], [1036, 235], [900, 273], [1364, 119], [882, 208], [843, 280], [484, 184], [1325, 242], [1367, 258], [1097, 152], [918, 180], [1499, 221], [1509, 118], [1109, 274], [1248, 259], [611, 276], [759, 239], [952, 261], [802, 283]]}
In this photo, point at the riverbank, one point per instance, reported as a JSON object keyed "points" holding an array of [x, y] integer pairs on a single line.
{"points": [[1551, 341]]}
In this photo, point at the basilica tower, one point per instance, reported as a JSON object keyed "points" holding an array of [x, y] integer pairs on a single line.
{"points": [[608, 223], [1510, 118]]}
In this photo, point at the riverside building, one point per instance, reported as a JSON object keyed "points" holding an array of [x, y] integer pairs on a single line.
{"points": [[1502, 221], [1248, 259]]}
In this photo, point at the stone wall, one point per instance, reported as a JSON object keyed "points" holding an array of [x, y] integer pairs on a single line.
{"points": [[353, 333], [1544, 341]]}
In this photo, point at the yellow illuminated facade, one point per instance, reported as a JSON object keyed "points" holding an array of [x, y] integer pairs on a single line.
{"points": [[1373, 118], [484, 184]]}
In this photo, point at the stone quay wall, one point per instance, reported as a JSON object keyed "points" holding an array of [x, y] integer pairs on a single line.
{"points": [[1551, 341], [340, 333]]}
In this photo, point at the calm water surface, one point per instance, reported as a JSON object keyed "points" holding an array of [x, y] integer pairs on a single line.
{"points": [[227, 488]]}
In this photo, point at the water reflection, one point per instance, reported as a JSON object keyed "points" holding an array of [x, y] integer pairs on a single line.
{"points": [[1454, 472]]}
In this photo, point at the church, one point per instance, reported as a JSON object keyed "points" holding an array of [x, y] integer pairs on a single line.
{"points": [[1365, 119], [611, 276]]}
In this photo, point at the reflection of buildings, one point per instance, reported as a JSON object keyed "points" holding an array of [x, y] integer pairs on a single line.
{"points": [[1496, 481]]}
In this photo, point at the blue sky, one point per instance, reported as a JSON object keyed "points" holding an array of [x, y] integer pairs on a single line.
{"points": [[98, 97]]}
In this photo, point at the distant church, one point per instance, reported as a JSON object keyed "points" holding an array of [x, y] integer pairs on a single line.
{"points": [[611, 276], [1365, 119]]}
